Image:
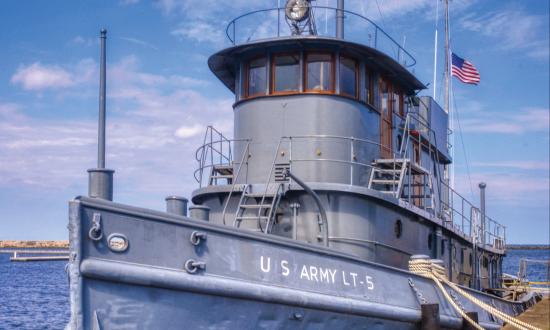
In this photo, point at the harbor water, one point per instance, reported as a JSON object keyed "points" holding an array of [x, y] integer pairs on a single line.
{"points": [[35, 294]]}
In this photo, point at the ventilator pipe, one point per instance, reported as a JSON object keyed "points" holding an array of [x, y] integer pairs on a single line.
{"points": [[317, 201]]}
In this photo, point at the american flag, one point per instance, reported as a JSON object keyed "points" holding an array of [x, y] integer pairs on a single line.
{"points": [[464, 70]]}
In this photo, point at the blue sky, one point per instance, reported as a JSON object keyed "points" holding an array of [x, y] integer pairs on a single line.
{"points": [[161, 96]]}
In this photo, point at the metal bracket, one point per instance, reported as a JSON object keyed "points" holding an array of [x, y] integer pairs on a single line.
{"points": [[95, 232], [197, 237], [192, 266]]}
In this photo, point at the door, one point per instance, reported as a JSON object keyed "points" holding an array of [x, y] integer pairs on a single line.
{"points": [[386, 150]]}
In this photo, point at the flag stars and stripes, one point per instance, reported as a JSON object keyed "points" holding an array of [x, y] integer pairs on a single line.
{"points": [[464, 70]]}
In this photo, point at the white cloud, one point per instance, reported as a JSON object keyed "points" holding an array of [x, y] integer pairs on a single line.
{"points": [[200, 31], [524, 121], [522, 188], [155, 123], [513, 28], [515, 164], [80, 40], [37, 77], [140, 42]]}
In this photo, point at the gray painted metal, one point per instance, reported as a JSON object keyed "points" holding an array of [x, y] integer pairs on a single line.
{"points": [[100, 179], [100, 183], [176, 205], [102, 101], [287, 284], [482, 187], [200, 212], [340, 20]]}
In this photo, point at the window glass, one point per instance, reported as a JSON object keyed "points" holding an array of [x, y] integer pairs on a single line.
{"points": [[257, 77], [398, 102], [385, 106], [319, 72], [347, 77], [369, 88], [286, 73]]}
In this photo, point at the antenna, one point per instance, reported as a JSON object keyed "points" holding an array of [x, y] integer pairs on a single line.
{"points": [[340, 20], [100, 179]]}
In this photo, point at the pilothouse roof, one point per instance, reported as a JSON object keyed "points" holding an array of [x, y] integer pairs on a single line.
{"points": [[301, 25]]}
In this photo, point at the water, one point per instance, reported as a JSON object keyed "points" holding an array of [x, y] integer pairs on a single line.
{"points": [[35, 295]]}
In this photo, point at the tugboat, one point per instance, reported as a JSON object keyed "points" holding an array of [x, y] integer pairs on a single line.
{"points": [[329, 208]]}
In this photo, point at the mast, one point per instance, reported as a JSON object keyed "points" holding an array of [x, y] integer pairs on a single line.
{"points": [[340, 20], [435, 47], [446, 56], [102, 89], [100, 179]]}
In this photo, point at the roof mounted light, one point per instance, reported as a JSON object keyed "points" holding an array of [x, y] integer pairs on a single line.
{"points": [[297, 10]]}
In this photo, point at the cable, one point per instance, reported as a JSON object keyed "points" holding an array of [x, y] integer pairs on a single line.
{"points": [[463, 146]]}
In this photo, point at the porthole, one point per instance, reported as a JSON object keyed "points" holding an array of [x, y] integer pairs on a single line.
{"points": [[398, 228]]}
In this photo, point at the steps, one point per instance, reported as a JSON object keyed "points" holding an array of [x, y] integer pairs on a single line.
{"points": [[221, 172], [259, 206], [403, 179]]}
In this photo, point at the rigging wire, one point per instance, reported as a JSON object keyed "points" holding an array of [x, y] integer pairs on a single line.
{"points": [[463, 145]]}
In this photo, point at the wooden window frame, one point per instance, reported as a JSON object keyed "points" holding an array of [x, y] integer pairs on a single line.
{"points": [[332, 72], [390, 94], [356, 77], [272, 80], [370, 100], [247, 94]]}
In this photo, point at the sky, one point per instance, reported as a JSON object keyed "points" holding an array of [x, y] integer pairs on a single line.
{"points": [[161, 96]]}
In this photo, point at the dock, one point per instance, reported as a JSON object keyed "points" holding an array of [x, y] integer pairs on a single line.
{"points": [[45, 255], [538, 315]]}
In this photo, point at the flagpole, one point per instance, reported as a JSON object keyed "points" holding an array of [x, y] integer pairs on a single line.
{"points": [[447, 56], [435, 47]]}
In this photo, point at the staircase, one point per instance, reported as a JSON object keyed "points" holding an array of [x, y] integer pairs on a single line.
{"points": [[259, 206], [221, 172], [388, 177]]}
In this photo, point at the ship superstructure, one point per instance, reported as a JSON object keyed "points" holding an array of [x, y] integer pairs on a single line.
{"points": [[330, 207], [343, 116]]}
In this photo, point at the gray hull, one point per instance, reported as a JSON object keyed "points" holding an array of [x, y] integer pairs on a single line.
{"points": [[247, 281]]}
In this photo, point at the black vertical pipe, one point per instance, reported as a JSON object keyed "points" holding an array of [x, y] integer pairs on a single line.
{"points": [[102, 92], [340, 20]]}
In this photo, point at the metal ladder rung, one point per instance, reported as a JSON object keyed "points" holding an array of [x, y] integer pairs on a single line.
{"points": [[256, 206], [251, 218], [390, 182]]}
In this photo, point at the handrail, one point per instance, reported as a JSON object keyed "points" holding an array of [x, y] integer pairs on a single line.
{"points": [[456, 204], [245, 155], [232, 36]]}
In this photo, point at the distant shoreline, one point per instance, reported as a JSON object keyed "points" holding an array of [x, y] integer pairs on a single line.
{"points": [[13, 244], [527, 247]]}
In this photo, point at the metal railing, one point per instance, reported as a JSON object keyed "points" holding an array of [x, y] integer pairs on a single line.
{"points": [[271, 23], [455, 210]]}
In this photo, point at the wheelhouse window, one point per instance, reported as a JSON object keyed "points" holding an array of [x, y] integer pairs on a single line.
{"points": [[348, 76], [257, 77], [369, 87], [319, 73], [286, 73], [385, 96]]}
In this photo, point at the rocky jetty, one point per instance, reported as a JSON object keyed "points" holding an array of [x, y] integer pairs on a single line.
{"points": [[34, 244]]}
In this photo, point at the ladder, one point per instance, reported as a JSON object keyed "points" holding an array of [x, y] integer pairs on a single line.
{"points": [[259, 206], [221, 172], [388, 177]]}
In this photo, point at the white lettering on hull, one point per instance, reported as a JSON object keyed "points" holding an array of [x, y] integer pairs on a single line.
{"points": [[318, 274]]}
